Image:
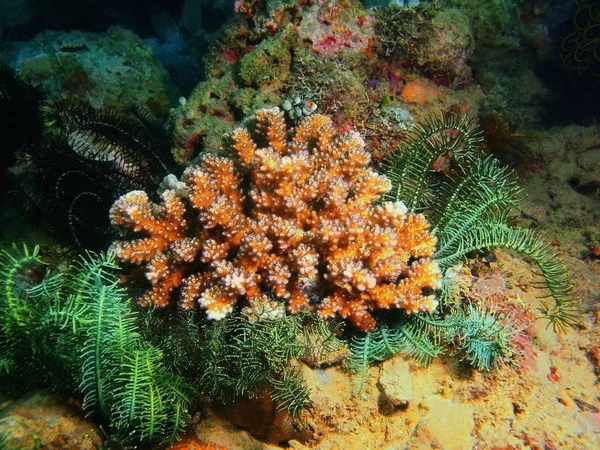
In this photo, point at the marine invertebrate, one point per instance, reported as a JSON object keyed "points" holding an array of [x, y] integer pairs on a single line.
{"points": [[418, 93], [471, 211], [400, 29], [580, 49], [266, 65], [77, 331], [435, 41], [85, 160], [334, 26], [77, 62], [248, 354], [478, 335], [129, 143], [294, 218], [246, 358], [468, 205]]}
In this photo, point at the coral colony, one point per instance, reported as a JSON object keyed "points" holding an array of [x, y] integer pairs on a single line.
{"points": [[296, 219], [328, 193]]}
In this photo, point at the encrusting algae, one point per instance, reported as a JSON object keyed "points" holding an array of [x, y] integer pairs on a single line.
{"points": [[296, 219]]}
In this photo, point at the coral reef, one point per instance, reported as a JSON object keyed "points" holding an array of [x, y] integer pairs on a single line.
{"points": [[333, 27], [266, 65], [509, 37], [291, 218], [472, 210], [467, 199], [436, 42], [333, 55], [105, 69]]}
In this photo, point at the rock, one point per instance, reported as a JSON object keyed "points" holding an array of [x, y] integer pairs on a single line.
{"points": [[395, 382], [107, 69], [44, 420], [448, 425], [595, 357], [263, 419], [566, 400]]}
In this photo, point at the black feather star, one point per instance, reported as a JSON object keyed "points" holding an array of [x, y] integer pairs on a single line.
{"points": [[129, 143], [86, 160]]}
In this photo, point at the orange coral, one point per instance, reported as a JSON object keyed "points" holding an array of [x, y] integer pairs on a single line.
{"points": [[290, 217]]}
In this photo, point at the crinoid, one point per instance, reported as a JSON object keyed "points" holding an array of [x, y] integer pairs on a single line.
{"points": [[468, 205], [76, 331], [86, 160], [580, 49], [70, 194], [469, 209], [130, 145]]}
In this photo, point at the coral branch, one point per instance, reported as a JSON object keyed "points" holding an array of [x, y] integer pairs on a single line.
{"points": [[295, 218]]}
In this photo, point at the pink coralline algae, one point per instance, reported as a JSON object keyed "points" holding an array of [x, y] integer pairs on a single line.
{"points": [[332, 26]]}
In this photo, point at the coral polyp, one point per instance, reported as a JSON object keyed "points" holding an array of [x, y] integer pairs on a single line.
{"points": [[296, 218]]}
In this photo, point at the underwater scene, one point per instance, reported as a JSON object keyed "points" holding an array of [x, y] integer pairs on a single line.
{"points": [[300, 224]]}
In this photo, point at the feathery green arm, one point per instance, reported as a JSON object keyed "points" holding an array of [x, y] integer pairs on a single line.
{"points": [[80, 329], [290, 393], [563, 313], [11, 266], [409, 168], [471, 210], [17, 314], [481, 182], [95, 370], [410, 336]]}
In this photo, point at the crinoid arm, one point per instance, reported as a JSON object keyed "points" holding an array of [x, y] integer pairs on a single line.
{"points": [[409, 168], [563, 313], [469, 209], [408, 335], [76, 332]]}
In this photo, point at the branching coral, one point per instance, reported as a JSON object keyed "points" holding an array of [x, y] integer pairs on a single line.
{"points": [[291, 217]]}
